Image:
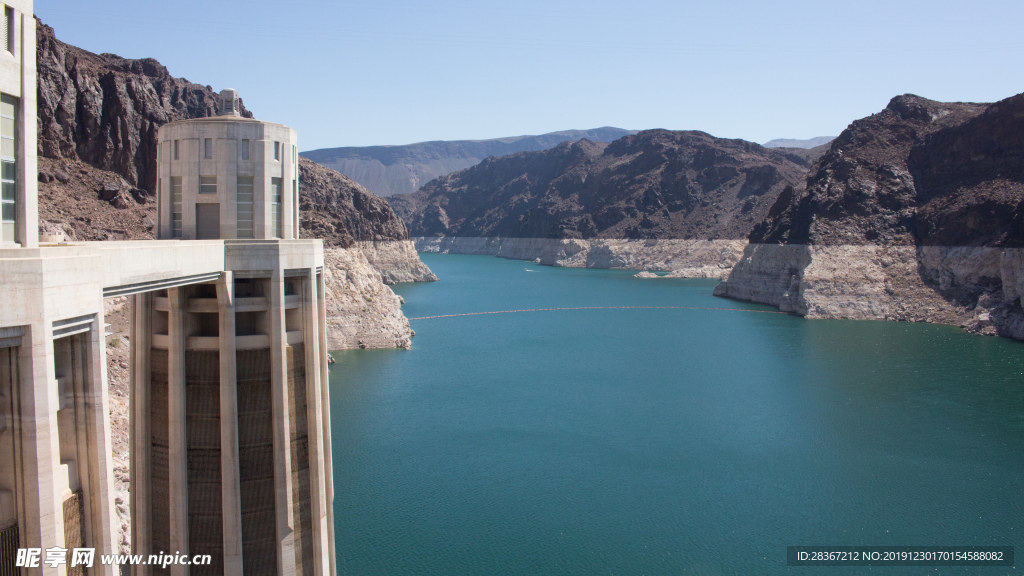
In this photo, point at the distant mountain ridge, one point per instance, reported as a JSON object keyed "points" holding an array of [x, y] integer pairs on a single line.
{"points": [[798, 143], [393, 170]]}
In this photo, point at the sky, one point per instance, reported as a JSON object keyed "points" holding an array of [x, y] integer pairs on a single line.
{"points": [[394, 72]]}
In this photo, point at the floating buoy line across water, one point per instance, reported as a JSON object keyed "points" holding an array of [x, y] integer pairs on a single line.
{"points": [[524, 310]]}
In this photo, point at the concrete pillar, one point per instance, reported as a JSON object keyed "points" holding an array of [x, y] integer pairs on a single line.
{"points": [[141, 431], [41, 518], [27, 163], [92, 406], [282, 427], [314, 410], [231, 497], [325, 410], [177, 439]]}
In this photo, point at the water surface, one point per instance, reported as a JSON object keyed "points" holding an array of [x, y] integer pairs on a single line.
{"points": [[699, 439]]}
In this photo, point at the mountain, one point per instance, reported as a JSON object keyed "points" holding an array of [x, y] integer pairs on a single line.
{"points": [[655, 184], [797, 143], [914, 213], [391, 170], [910, 175]]}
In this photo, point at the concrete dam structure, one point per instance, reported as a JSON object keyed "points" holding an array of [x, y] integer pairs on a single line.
{"points": [[230, 421]]}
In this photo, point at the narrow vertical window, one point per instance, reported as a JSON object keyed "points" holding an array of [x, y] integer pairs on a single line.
{"points": [[176, 206], [175, 150], [295, 154], [244, 201], [207, 184], [275, 207], [295, 208], [244, 149], [277, 150], [8, 179], [207, 147], [9, 29]]}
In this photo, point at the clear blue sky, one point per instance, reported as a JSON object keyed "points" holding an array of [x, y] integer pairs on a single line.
{"points": [[395, 72]]}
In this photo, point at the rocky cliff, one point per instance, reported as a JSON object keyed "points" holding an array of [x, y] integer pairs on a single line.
{"points": [[389, 170], [341, 212], [345, 215], [914, 213]]}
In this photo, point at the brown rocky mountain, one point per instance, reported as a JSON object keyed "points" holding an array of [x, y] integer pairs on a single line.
{"points": [[653, 184], [914, 213], [335, 208], [919, 172]]}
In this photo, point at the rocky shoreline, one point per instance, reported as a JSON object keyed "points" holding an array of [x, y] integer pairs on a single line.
{"points": [[685, 258], [396, 260], [362, 311], [976, 288]]}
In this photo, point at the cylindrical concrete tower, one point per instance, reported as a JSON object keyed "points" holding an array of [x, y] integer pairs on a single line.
{"points": [[227, 177], [231, 422]]}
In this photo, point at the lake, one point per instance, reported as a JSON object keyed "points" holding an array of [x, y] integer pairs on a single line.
{"points": [[605, 424]]}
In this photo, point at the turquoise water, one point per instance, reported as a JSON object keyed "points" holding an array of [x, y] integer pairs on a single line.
{"points": [[663, 441]]}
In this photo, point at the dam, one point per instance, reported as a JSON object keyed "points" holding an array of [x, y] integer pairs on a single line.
{"points": [[230, 420]]}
